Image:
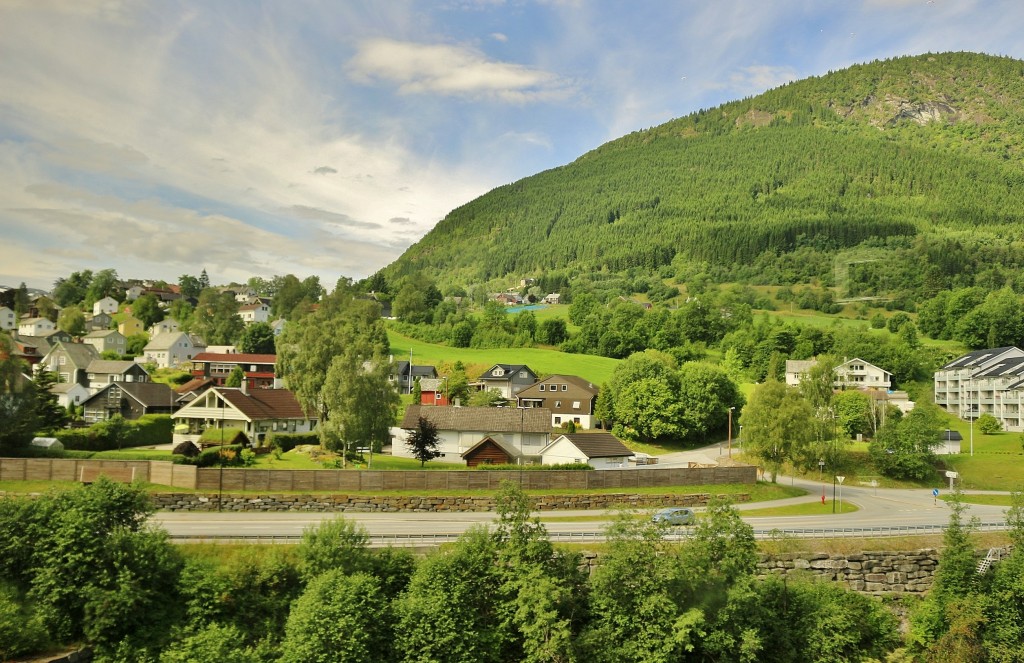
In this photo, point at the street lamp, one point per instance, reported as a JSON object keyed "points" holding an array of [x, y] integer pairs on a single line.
{"points": [[821, 469], [730, 430]]}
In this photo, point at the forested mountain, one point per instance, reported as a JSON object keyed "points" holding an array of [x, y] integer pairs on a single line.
{"points": [[902, 175]]}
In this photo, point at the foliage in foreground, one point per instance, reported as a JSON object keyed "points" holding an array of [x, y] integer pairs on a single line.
{"points": [[82, 566]]}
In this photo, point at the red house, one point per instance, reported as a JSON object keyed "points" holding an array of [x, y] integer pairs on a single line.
{"points": [[258, 369]]}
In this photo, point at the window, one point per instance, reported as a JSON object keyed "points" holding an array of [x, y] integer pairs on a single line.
{"points": [[63, 360], [575, 405], [498, 372], [542, 387], [522, 374], [558, 420], [565, 387], [558, 403]]}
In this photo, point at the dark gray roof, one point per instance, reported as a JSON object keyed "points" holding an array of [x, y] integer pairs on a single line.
{"points": [[483, 419], [402, 368], [79, 354], [977, 357], [1007, 366], [111, 366], [509, 371], [598, 445], [148, 394]]}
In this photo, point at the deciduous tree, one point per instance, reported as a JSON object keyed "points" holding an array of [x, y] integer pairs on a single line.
{"points": [[422, 441]]}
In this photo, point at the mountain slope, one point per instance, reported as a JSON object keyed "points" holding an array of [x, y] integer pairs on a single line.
{"points": [[877, 153]]}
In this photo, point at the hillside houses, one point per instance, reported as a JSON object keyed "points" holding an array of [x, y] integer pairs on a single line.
{"points": [[568, 397]]}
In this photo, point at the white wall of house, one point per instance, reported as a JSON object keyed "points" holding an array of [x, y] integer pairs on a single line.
{"points": [[35, 327], [8, 320], [562, 451], [106, 305]]}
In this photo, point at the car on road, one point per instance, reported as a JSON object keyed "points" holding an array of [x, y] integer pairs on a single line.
{"points": [[676, 515]]}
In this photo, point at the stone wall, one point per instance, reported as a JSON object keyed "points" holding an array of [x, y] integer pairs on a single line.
{"points": [[873, 572], [362, 503]]}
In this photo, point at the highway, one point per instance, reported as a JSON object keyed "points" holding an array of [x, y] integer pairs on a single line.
{"points": [[878, 508]]}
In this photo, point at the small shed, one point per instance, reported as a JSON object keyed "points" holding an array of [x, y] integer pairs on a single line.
{"points": [[949, 442], [489, 451], [48, 443]]}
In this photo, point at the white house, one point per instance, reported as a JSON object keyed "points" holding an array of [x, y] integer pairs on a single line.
{"points": [[170, 350], [165, 326], [35, 327], [855, 373], [602, 451], [8, 320], [70, 393], [520, 432], [256, 312], [106, 305], [257, 412]]}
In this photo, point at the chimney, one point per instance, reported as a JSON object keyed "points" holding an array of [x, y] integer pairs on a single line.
{"points": [[245, 386], [458, 402]]}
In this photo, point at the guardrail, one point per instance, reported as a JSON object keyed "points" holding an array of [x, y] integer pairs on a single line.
{"points": [[672, 534]]}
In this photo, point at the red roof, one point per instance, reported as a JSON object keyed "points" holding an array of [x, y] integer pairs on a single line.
{"points": [[262, 404], [235, 358]]}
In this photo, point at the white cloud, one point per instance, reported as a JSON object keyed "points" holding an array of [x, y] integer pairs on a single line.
{"points": [[758, 78], [451, 70], [498, 36]]}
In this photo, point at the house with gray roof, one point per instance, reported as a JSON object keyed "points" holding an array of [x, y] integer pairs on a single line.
{"points": [[172, 349], [523, 431], [507, 379], [131, 400], [569, 397], [601, 451], [70, 361], [105, 371], [106, 340]]}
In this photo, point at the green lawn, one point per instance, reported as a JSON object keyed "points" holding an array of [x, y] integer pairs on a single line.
{"points": [[991, 500], [547, 362]]}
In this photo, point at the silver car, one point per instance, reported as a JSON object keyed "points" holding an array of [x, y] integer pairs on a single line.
{"points": [[675, 515]]}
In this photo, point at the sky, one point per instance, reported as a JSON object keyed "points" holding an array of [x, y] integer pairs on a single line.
{"points": [[255, 138]]}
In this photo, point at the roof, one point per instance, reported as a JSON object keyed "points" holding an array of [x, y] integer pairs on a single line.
{"points": [[32, 321], [425, 371], [977, 357], [251, 307], [799, 365], [597, 445], [575, 380], [951, 436], [235, 358], [148, 394], [166, 341], [111, 366], [1007, 366], [80, 354], [65, 387], [100, 333], [261, 404], [193, 385], [510, 450], [509, 369], [485, 419]]}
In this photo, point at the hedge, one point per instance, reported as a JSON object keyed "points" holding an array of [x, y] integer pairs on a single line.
{"points": [[288, 441], [535, 468], [148, 430]]}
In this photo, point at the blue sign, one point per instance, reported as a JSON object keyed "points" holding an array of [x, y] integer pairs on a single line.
{"points": [[935, 492]]}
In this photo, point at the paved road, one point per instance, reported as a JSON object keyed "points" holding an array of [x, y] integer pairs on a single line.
{"points": [[878, 507]]}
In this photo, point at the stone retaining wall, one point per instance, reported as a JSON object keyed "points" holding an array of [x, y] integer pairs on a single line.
{"points": [[363, 503], [871, 572]]}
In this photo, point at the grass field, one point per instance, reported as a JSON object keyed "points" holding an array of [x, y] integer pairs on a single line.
{"points": [[546, 362], [809, 509]]}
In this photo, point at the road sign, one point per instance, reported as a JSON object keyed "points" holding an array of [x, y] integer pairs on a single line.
{"points": [[935, 492], [840, 479]]}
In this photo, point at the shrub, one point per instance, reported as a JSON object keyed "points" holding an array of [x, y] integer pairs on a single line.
{"points": [[288, 441], [233, 457], [148, 430], [988, 424]]}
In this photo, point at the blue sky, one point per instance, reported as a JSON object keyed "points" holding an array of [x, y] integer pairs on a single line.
{"points": [[259, 138]]}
